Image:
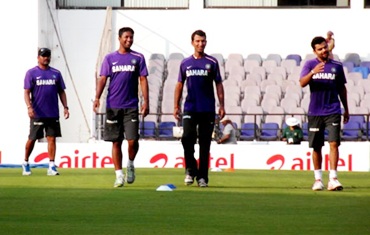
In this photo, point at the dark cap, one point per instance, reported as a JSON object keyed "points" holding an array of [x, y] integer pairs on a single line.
{"points": [[44, 52]]}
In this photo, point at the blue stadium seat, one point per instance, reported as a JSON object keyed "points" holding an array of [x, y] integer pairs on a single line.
{"points": [[305, 130], [363, 70], [248, 131], [366, 131], [351, 131], [295, 57], [147, 129], [269, 131], [165, 130], [357, 118], [365, 64]]}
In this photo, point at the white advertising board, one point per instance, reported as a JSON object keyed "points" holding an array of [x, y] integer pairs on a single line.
{"points": [[354, 156]]}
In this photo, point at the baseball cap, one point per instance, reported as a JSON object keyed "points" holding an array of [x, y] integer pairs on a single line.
{"points": [[44, 52]]}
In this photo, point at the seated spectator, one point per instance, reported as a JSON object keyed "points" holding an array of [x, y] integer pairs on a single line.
{"points": [[228, 133], [217, 133], [293, 133]]}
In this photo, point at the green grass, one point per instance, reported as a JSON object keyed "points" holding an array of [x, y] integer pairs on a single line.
{"points": [[83, 201]]}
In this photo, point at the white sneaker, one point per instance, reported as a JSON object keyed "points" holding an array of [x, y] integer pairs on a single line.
{"points": [[26, 169], [318, 185], [334, 185], [130, 174], [52, 171], [189, 180], [119, 181], [202, 183]]}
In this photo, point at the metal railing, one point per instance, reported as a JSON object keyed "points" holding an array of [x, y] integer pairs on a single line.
{"points": [[363, 130]]}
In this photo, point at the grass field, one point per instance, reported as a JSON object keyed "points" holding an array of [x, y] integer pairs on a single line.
{"points": [[83, 201]]}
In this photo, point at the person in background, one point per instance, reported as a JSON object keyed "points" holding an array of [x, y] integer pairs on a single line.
{"points": [[200, 71], [124, 68], [331, 43], [42, 86], [217, 133], [326, 80], [293, 133], [228, 133]]}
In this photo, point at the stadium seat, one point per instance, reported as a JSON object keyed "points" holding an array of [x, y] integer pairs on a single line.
{"points": [[297, 58], [256, 57], [249, 131], [269, 131], [269, 65], [147, 129], [366, 131], [349, 65], [165, 130], [364, 70], [246, 103], [234, 66], [254, 114], [155, 56], [351, 131], [353, 57], [355, 76], [275, 117], [280, 70], [305, 130], [220, 58], [365, 64], [275, 57], [287, 104], [250, 64], [260, 70], [257, 77], [277, 77], [360, 119]]}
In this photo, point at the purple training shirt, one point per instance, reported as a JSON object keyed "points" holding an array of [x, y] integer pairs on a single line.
{"points": [[324, 87], [44, 86], [124, 71], [199, 75]]}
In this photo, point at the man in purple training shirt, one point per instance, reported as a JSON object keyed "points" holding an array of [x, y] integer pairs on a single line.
{"points": [[124, 68], [42, 86], [327, 82], [199, 71]]}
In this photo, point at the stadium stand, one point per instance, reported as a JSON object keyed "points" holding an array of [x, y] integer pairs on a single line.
{"points": [[258, 91]]}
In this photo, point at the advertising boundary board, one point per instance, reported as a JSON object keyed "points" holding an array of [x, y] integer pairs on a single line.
{"points": [[353, 156]]}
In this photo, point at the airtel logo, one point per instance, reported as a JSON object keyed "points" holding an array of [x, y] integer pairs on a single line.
{"points": [[159, 157], [41, 157], [161, 160], [278, 160]]}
